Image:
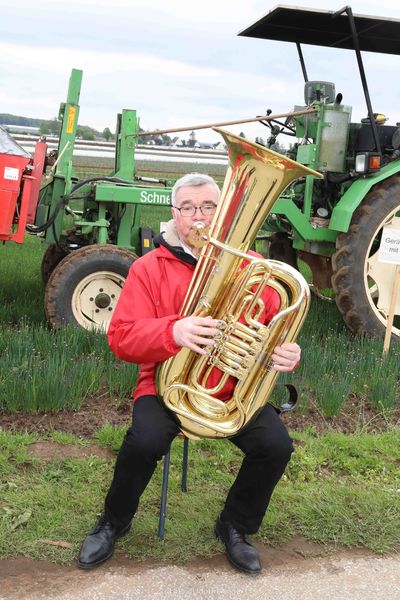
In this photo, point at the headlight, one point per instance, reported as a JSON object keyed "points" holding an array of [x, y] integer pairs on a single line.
{"points": [[361, 163], [367, 162]]}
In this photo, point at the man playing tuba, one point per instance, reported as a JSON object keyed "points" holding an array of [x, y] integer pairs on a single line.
{"points": [[147, 329]]}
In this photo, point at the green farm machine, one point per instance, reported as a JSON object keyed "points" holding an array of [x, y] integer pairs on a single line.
{"points": [[335, 224], [94, 227]]}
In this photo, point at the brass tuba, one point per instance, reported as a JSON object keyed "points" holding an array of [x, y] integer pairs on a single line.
{"points": [[230, 292]]}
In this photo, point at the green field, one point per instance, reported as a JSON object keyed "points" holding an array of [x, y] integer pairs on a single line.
{"points": [[337, 367], [86, 166]]}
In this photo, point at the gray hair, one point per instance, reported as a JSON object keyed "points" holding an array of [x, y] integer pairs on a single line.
{"points": [[193, 179]]}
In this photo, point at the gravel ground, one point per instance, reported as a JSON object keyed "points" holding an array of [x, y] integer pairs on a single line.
{"points": [[328, 578]]}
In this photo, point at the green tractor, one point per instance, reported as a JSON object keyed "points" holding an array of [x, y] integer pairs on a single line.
{"points": [[93, 228], [91, 247], [335, 224]]}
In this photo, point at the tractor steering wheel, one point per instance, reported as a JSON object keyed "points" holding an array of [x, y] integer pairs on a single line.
{"points": [[278, 127]]}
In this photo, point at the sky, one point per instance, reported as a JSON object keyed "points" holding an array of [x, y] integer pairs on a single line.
{"points": [[178, 63]]}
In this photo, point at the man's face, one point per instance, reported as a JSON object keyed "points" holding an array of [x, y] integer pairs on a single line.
{"points": [[198, 196]]}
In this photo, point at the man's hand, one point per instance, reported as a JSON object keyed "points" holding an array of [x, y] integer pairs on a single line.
{"points": [[195, 333], [286, 357]]}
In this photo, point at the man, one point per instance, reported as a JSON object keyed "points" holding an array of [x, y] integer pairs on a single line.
{"points": [[146, 329]]}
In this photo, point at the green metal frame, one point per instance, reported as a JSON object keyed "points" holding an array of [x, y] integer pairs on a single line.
{"points": [[103, 198], [352, 198], [60, 177], [320, 240]]}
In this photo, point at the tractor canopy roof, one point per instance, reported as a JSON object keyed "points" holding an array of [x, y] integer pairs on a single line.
{"points": [[321, 28]]}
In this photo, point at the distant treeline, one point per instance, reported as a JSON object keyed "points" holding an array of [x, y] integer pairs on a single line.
{"points": [[53, 126], [7, 119]]}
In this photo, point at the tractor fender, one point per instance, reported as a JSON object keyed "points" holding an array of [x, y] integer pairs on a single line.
{"points": [[352, 198]]}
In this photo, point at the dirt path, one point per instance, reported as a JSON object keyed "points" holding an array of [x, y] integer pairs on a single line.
{"points": [[287, 575]]}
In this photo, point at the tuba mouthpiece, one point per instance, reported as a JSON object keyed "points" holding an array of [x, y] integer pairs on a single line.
{"points": [[199, 235]]}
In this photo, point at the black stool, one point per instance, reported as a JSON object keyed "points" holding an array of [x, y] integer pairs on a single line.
{"points": [[164, 488]]}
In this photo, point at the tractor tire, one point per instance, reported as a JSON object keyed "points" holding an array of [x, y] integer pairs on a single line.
{"points": [[363, 286], [84, 288], [51, 258]]}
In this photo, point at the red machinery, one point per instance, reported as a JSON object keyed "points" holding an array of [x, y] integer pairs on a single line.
{"points": [[20, 178]]}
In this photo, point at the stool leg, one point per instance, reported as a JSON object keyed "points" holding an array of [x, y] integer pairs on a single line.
{"points": [[164, 493], [185, 464]]}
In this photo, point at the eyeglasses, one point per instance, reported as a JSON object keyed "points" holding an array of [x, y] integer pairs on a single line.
{"points": [[189, 210]]}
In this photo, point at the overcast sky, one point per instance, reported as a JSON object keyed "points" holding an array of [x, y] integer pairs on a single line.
{"points": [[177, 63]]}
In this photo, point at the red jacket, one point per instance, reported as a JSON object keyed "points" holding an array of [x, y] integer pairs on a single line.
{"points": [[141, 327]]}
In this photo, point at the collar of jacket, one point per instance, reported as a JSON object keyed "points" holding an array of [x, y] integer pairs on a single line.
{"points": [[170, 240]]}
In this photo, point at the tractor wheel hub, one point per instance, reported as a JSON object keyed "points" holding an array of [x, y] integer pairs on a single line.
{"points": [[102, 300]]}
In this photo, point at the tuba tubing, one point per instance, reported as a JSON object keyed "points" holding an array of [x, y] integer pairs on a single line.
{"points": [[227, 284]]}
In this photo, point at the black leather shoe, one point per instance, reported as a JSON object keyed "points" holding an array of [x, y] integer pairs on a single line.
{"points": [[98, 546], [241, 552]]}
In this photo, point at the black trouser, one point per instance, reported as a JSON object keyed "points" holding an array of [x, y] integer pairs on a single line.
{"points": [[265, 443]]}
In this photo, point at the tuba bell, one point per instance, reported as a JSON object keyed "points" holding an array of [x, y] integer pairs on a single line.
{"points": [[227, 285]]}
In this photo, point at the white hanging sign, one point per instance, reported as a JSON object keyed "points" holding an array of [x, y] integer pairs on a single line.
{"points": [[389, 251]]}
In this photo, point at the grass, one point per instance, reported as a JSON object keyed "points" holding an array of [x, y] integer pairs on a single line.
{"points": [[21, 289], [50, 370], [338, 490], [47, 370]]}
